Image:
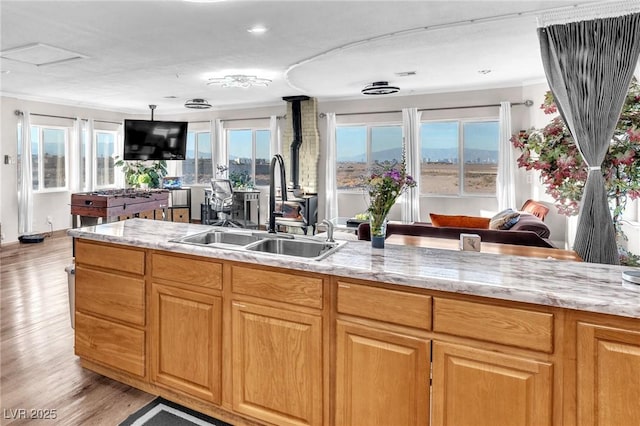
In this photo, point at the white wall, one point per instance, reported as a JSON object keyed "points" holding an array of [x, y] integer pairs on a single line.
{"points": [[57, 204]]}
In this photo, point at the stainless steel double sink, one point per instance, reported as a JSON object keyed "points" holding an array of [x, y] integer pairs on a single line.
{"points": [[263, 242]]}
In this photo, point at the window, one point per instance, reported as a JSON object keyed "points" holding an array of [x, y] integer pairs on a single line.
{"points": [[49, 146], [459, 157], [105, 143], [359, 148], [249, 157], [198, 147]]}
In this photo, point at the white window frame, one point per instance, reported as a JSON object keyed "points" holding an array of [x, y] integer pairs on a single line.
{"points": [[253, 131], [195, 152], [95, 157], [41, 189], [461, 160], [369, 164]]}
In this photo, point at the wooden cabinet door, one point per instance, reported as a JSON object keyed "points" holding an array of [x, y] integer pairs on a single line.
{"points": [[186, 341], [277, 364], [608, 382], [473, 387], [382, 378]]}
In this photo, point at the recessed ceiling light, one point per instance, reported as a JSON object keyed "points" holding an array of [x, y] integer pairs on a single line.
{"points": [[170, 97], [5, 72], [484, 72], [258, 29]]}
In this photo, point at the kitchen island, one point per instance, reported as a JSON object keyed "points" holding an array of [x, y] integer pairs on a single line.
{"points": [[404, 335]]}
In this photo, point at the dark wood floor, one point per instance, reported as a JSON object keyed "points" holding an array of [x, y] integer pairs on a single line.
{"points": [[38, 370]]}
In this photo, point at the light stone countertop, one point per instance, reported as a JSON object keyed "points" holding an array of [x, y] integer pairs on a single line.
{"points": [[574, 285]]}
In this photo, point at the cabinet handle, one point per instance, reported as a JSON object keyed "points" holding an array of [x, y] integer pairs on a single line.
{"points": [[239, 305], [344, 285]]}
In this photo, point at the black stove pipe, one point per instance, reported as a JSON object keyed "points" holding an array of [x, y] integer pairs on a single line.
{"points": [[296, 119]]}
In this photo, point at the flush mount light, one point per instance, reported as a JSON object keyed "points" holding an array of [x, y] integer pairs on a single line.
{"points": [[379, 88], [239, 80], [197, 104], [258, 29]]}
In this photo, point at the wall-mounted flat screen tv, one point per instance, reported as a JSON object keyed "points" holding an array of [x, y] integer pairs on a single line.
{"points": [[154, 140]]}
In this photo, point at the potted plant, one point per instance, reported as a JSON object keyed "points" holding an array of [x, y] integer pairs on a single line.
{"points": [[140, 173]]}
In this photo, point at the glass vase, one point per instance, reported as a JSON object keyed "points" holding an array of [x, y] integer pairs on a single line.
{"points": [[378, 229]]}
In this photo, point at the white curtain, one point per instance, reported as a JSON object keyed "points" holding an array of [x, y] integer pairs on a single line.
{"points": [[89, 154], [275, 143], [75, 160], [220, 147], [637, 71], [331, 184], [505, 183], [25, 192], [119, 148], [411, 132]]}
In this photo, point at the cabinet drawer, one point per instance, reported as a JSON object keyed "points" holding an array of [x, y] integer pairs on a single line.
{"points": [[413, 310], [498, 324], [115, 345], [180, 215], [146, 214], [187, 270], [278, 286], [120, 258], [110, 295]]}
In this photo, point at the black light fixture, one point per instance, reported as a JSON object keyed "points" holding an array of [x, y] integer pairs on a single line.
{"points": [[379, 88], [197, 104]]}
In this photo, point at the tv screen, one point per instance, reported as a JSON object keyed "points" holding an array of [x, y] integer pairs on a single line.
{"points": [[154, 140]]}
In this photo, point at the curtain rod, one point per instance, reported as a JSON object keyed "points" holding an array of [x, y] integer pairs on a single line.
{"points": [[18, 112], [240, 119], [527, 103]]}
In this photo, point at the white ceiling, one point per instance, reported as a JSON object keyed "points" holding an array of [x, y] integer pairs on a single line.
{"points": [[143, 52]]}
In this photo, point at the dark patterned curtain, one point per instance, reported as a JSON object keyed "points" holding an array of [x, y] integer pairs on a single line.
{"points": [[589, 66]]}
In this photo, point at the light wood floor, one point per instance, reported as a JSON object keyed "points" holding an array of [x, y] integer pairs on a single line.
{"points": [[38, 369]]}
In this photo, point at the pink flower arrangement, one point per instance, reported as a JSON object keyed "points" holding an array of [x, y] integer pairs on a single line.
{"points": [[553, 152]]}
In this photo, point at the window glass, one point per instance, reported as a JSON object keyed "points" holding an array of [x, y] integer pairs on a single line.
{"points": [[240, 156], [205, 165], [84, 160], [198, 148], [54, 148], [459, 158], [105, 150], [351, 156], [263, 161], [35, 157], [248, 155], [189, 162], [439, 169], [480, 156], [386, 144]]}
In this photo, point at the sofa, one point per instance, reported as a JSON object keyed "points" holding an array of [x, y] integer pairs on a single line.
{"points": [[529, 230]]}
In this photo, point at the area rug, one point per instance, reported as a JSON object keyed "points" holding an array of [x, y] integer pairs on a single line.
{"points": [[161, 412]]}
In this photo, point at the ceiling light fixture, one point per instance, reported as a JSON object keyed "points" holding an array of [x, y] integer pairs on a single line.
{"points": [[239, 80], [197, 103], [484, 72], [258, 29], [379, 88]]}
